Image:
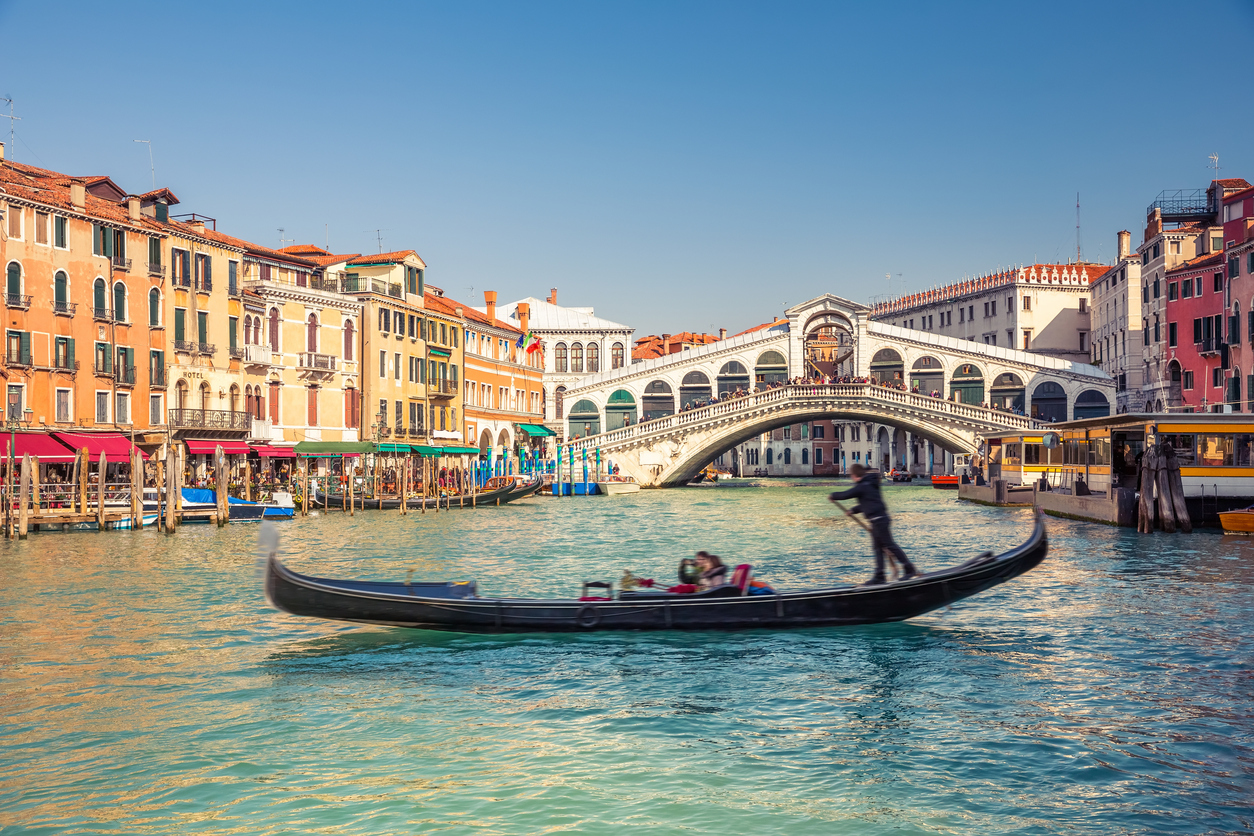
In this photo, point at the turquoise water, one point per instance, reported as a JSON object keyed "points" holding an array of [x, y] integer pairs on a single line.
{"points": [[148, 688]]}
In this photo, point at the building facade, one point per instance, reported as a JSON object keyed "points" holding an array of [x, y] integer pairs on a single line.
{"points": [[446, 323], [1116, 322], [1238, 233]]}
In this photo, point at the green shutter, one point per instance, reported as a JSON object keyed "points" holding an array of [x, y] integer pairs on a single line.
{"points": [[95, 240], [180, 330], [69, 352], [234, 323], [202, 326], [26, 347]]}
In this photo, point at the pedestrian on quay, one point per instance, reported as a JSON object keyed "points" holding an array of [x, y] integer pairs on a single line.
{"points": [[866, 490]]}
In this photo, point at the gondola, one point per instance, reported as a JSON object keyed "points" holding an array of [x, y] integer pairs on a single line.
{"points": [[497, 496], [457, 606]]}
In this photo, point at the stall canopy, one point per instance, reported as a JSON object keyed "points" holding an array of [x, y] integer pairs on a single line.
{"points": [[535, 431], [116, 447], [460, 451], [266, 451], [403, 449], [206, 446], [429, 452], [325, 449], [47, 448]]}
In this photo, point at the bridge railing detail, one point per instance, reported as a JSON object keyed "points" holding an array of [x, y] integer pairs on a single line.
{"points": [[992, 418]]}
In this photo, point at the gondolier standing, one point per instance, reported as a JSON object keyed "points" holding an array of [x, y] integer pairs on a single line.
{"points": [[866, 489]]}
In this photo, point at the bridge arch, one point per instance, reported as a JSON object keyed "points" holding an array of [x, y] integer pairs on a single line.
{"points": [[1007, 392], [1091, 404], [732, 376], [694, 388], [584, 419], [771, 367], [887, 364], [966, 383], [620, 410], [1049, 401], [658, 400], [927, 374]]}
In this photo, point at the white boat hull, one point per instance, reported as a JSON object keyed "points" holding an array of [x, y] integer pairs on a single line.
{"points": [[612, 488]]}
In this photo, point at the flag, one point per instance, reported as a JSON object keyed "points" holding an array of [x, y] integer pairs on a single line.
{"points": [[533, 342], [522, 338]]}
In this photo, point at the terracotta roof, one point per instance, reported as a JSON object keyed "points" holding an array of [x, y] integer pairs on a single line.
{"points": [[395, 257], [647, 348], [317, 255], [52, 188], [476, 316], [304, 249], [1197, 263], [1084, 272], [256, 249], [1232, 183], [440, 304], [156, 193], [1241, 195], [762, 327]]}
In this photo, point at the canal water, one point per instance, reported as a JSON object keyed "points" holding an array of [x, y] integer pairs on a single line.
{"points": [[147, 687]]}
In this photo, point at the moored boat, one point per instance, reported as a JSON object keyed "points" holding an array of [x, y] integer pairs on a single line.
{"points": [[458, 607], [946, 483], [498, 491], [1238, 522], [614, 485]]}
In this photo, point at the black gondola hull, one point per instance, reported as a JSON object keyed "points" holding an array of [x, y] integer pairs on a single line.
{"points": [[425, 606], [500, 496]]}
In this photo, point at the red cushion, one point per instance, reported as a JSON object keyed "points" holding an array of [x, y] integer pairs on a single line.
{"points": [[595, 598], [683, 587]]}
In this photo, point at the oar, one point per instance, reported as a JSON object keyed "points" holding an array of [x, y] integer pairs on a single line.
{"points": [[892, 561]]}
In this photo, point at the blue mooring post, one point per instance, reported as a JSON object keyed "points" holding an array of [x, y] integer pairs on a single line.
{"points": [[585, 471], [572, 471], [557, 472]]}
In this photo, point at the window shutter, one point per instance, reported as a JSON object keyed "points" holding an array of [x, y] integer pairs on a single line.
{"points": [[208, 271], [26, 347], [313, 407], [95, 240], [180, 324], [69, 352], [274, 402]]}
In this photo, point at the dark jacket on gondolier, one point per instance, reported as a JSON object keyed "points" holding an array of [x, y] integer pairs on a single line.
{"points": [[867, 492]]}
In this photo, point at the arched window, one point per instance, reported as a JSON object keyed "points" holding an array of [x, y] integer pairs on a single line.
{"points": [[61, 292], [594, 358], [311, 333], [234, 397], [805, 455], [274, 329], [248, 334], [348, 340], [14, 286], [180, 395], [154, 308], [616, 356], [559, 357], [204, 395], [119, 302], [100, 298], [576, 358], [770, 456], [787, 455], [559, 394]]}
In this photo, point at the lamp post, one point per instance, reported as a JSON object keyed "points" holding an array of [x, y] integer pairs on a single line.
{"points": [[12, 422]]}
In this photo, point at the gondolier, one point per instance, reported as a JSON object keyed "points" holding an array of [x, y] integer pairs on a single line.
{"points": [[866, 489]]}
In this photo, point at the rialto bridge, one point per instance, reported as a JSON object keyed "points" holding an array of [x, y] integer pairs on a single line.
{"points": [[662, 420]]}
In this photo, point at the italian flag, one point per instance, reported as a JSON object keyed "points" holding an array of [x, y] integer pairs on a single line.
{"points": [[531, 342]]}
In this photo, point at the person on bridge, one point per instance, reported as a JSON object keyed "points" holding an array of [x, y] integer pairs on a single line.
{"points": [[866, 489]]}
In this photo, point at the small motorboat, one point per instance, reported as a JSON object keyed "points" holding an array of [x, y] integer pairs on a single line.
{"points": [[946, 483], [458, 607], [614, 485], [199, 505], [1240, 521]]}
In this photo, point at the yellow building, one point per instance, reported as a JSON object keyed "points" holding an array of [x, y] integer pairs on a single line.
{"points": [[445, 323]]}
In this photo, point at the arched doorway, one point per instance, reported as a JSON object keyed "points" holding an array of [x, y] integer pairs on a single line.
{"points": [[1234, 390], [693, 388], [485, 444], [1049, 402], [658, 400], [205, 395], [559, 396], [584, 420], [180, 395], [771, 368], [884, 446], [1091, 404], [887, 365], [927, 375], [503, 439], [1007, 392], [1175, 390], [731, 377], [620, 410], [967, 384]]}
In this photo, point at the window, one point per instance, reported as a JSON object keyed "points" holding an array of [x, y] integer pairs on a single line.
{"points": [[154, 308], [559, 357], [993, 305], [1186, 289], [385, 320], [1156, 293], [1234, 266], [962, 315], [123, 412], [576, 358], [443, 333], [274, 329], [1216, 377], [202, 327], [1171, 334], [1219, 282], [102, 407], [818, 456], [154, 252], [311, 405], [1187, 380], [398, 323], [15, 221], [1216, 244], [1027, 340], [1172, 291], [59, 236], [400, 415], [204, 273], [817, 431], [63, 353], [383, 364], [397, 364], [1197, 331], [1027, 306], [787, 455], [594, 358], [154, 411], [180, 325], [63, 406], [311, 333], [349, 340], [41, 227], [232, 325]]}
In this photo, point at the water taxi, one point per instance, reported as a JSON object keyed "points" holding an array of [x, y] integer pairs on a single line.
{"points": [[614, 485]]}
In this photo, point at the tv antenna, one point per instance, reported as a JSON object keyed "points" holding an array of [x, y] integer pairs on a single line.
{"points": [[1214, 163], [1077, 227], [12, 119], [283, 240], [150, 163]]}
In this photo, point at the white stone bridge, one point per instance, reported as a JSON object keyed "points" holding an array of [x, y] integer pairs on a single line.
{"points": [[641, 415]]}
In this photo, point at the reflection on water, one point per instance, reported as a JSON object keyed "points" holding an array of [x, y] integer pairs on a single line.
{"points": [[148, 688]]}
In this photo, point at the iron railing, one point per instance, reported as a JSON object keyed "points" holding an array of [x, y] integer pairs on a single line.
{"points": [[443, 387], [237, 353], [156, 376], [18, 358], [63, 364], [156, 269], [102, 366], [101, 313], [125, 375], [1182, 204], [184, 345], [181, 281], [206, 348], [123, 264], [204, 285], [211, 419], [16, 300], [64, 308], [318, 362]]}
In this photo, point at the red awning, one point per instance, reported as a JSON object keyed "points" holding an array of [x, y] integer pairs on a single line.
{"points": [[266, 451], [206, 446], [117, 448], [47, 448]]}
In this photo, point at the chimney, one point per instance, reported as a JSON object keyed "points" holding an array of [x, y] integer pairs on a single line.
{"points": [[459, 311], [489, 297], [1, 150], [666, 344], [1154, 223], [552, 295], [722, 333], [78, 196], [1125, 243], [132, 207], [524, 316]]}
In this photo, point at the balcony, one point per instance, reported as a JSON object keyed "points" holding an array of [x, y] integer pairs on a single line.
{"points": [[237, 353], [442, 388], [16, 300], [124, 375], [232, 287], [18, 357], [184, 345], [64, 308], [157, 377], [260, 429], [206, 348], [64, 364], [210, 419], [119, 263], [181, 281], [317, 362], [156, 269], [101, 314], [102, 366], [258, 355], [1209, 345], [204, 285]]}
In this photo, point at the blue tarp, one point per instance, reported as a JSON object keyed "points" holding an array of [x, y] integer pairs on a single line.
{"points": [[199, 495]]}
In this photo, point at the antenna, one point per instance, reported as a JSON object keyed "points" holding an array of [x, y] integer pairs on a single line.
{"points": [[150, 163], [12, 119], [1077, 227], [327, 230], [1214, 161], [378, 233], [283, 240], [889, 276]]}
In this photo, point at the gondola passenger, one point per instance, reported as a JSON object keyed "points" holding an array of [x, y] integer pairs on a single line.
{"points": [[713, 572]]}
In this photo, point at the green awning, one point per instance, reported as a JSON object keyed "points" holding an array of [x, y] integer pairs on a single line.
{"points": [[428, 452], [533, 430], [460, 451], [403, 449], [332, 448], [439, 352]]}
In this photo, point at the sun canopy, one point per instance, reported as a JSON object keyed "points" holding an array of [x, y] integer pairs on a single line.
{"points": [[535, 431], [47, 448], [206, 446], [460, 451], [116, 447], [317, 449], [266, 451]]}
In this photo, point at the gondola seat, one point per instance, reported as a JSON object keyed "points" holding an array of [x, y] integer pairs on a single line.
{"points": [[608, 586]]}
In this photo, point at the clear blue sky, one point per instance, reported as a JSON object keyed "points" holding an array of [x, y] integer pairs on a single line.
{"points": [[678, 166]]}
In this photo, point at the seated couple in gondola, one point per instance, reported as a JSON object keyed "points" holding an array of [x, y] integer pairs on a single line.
{"points": [[707, 571]]}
